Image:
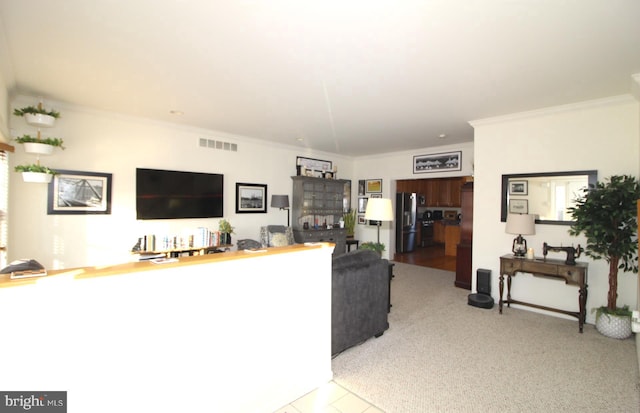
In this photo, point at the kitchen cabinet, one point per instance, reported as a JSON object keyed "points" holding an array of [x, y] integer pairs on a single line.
{"points": [[437, 192]]}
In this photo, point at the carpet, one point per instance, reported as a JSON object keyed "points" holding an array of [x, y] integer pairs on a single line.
{"points": [[442, 355]]}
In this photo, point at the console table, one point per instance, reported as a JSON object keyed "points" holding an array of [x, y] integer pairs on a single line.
{"points": [[571, 274]]}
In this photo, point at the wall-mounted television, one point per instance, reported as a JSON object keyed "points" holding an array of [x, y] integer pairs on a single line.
{"points": [[162, 194]]}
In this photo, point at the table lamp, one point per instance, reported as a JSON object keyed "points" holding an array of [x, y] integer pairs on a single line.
{"points": [[379, 209], [282, 202], [520, 224]]}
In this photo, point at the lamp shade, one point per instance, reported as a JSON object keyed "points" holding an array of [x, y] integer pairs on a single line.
{"points": [[280, 201], [379, 209], [521, 224]]}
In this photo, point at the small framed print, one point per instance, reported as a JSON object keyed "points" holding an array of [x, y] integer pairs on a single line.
{"points": [[520, 187], [518, 206], [361, 220], [374, 185], [362, 205], [376, 196]]}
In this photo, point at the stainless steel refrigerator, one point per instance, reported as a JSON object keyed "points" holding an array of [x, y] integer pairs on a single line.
{"points": [[406, 224]]}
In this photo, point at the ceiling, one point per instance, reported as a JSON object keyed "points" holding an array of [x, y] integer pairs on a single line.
{"points": [[348, 77]]}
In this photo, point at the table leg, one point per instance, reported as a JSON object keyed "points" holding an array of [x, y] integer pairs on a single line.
{"points": [[509, 290], [501, 288], [583, 303]]}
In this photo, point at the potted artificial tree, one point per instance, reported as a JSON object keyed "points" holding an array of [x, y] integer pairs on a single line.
{"points": [[35, 173], [36, 145], [606, 215], [226, 230], [37, 115]]}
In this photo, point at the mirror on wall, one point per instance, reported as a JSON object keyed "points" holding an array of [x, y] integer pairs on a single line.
{"points": [[546, 195]]}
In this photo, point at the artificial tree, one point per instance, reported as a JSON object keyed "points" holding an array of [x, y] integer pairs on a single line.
{"points": [[606, 214]]}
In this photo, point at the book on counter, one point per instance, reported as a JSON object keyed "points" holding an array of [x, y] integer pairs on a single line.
{"points": [[25, 268]]}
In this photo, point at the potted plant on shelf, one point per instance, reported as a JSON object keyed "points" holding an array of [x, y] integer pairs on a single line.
{"points": [[373, 246], [38, 145], [606, 215], [35, 173], [226, 230], [38, 115], [349, 219]]}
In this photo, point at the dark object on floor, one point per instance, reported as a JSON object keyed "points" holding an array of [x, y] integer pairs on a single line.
{"points": [[483, 298], [360, 298]]}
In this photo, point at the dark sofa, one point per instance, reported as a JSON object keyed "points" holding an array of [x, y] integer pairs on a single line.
{"points": [[360, 298]]}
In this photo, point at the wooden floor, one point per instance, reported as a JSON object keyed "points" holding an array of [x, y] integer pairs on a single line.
{"points": [[428, 257]]}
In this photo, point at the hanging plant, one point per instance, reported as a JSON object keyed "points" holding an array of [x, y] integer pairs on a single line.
{"points": [[34, 168], [57, 142], [36, 110]]}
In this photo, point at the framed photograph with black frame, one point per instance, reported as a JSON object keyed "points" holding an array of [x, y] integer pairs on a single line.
{"points": [[437, 162], [251, 198], [79, 193], [362, 205], [519, 187]]}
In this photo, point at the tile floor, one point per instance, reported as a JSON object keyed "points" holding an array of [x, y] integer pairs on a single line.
{"points": [[330, 398]]}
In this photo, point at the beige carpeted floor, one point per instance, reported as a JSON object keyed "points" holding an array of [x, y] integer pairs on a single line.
{"points": [[442, 355]]}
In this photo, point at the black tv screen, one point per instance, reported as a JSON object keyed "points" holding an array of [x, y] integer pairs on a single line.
{"points": [[164, 194]]}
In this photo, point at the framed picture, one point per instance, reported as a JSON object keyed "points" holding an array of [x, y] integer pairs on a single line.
{"points": [[518, 187], [361, 220], [346, 197], [376, 196], [251, 198], [518, 206], [362, 205], [374, 185], [437, 162], [314, 164], [75, 192], [361, 187]]}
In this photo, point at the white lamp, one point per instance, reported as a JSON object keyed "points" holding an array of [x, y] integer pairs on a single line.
{"points": [[520, 224], [379, 209]]}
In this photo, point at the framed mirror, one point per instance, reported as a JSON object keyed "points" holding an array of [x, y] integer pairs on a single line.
{"points": [[546, 195]]}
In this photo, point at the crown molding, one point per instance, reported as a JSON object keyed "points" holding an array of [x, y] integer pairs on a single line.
{"points": [[589, 104]]}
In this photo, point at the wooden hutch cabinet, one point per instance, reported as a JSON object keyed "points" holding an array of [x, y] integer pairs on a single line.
{"points": [[316, 210]]}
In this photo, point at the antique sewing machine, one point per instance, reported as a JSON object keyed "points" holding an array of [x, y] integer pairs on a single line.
{"points": [[572, 253]]}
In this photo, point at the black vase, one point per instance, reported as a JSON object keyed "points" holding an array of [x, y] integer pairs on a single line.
{"points": [[225, 239]]}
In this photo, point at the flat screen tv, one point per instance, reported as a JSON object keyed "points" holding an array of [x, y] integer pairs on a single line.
{"points": [[162, 194]]}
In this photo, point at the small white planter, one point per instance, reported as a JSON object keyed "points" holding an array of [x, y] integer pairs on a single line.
{"points": [[37, 177], [40, 119], [38, 148], [614, 326]]}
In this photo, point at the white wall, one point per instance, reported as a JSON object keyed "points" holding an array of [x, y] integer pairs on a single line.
{"points": [[105, 142], [602, 135]]}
